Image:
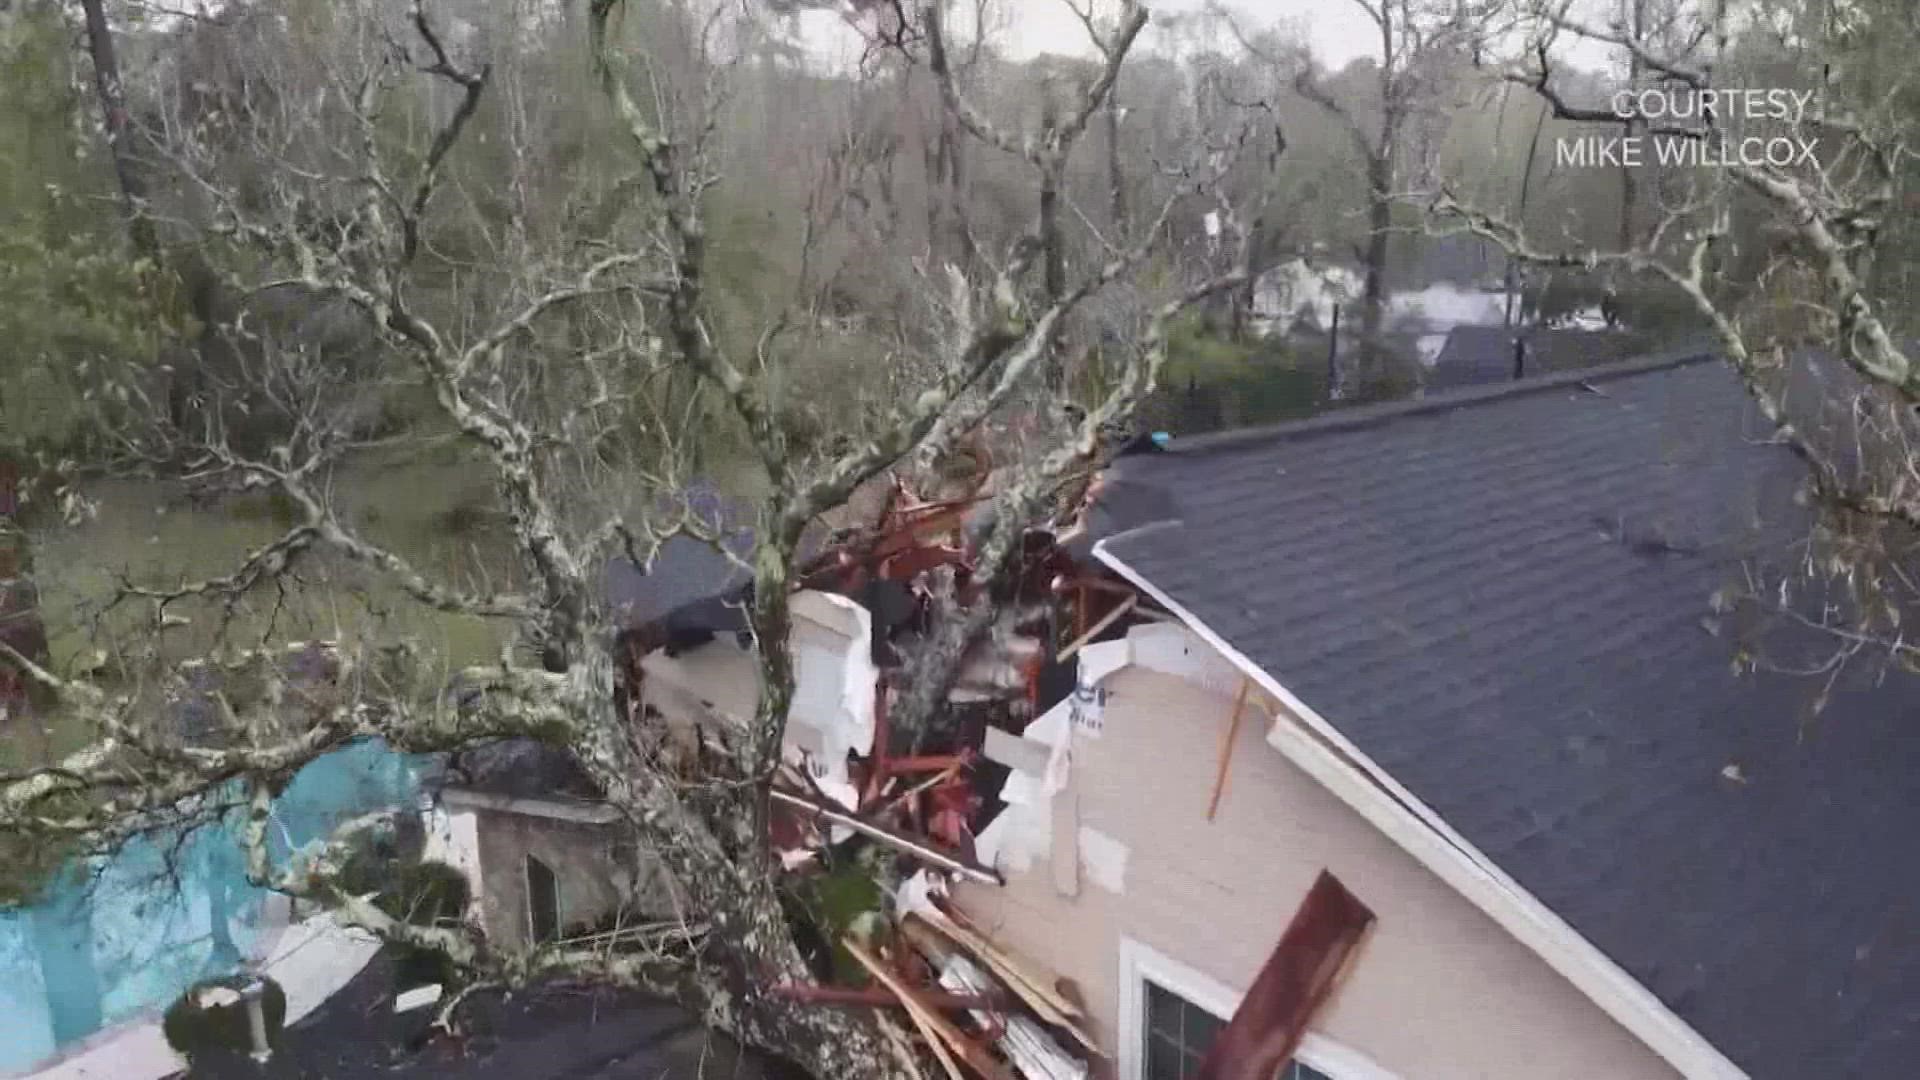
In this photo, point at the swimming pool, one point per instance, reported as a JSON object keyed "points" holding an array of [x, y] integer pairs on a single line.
{"points": [[118, 936]]}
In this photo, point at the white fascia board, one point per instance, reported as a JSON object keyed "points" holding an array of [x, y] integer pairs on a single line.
{"points": [[583, 811], [1318, 748]]}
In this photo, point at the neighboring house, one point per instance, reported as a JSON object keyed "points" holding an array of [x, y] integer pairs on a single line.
{"points": [[1300, 293], [1475, 656], [539, 850]]}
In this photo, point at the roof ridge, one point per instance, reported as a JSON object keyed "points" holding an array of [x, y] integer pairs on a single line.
{"points": [[1446, 400]]}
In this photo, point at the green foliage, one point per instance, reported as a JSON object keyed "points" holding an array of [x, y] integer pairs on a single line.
{"points": [[72, 305], [831, 905], [421, 893], [426, 894], [1651, 308], [197, 1031], [275, 506], [1211, 382]]}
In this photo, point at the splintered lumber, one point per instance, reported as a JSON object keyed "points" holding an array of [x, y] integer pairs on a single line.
{"points": [[902, 1052], [1038, 993], [1034, 1053], [936, 1028], [1296, 980], [840, 995], [914, 846], [924, 1021], [1095, 630]]}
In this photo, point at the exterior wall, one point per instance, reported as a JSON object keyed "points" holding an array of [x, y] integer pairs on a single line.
{"points": [[453, 837], [1438, 990], [594, 880]]}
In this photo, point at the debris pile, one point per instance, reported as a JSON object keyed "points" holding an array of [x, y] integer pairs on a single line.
{"points": [[981, 1010], [925, 798]]}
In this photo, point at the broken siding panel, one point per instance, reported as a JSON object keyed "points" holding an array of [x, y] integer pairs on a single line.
{"points": [[1441, 992]]}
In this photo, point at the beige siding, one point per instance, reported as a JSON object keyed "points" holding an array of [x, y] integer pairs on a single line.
{"points": [[1439, 992]]}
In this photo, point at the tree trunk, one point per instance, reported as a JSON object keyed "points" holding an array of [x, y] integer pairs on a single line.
{"points": [[1116, 178], [113, 109], [1630, 184], [1052, 253], [202, 291], [1373, 296], [1520, 214]]}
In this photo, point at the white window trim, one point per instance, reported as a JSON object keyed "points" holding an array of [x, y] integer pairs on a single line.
{"points": [[1139, 962]]}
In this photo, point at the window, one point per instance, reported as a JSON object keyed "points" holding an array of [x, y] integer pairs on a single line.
{"points": [[1170, 1014], [543, 902], [1178, 1033]]}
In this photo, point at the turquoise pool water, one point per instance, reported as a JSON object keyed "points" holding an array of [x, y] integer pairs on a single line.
{"points": [[120, 935]]}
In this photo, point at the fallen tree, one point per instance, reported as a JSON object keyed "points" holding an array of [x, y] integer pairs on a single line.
{"points": [[544, 367]]}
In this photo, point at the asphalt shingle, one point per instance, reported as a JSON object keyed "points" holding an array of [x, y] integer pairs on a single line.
{"points": [[1480, 355], [1504, 598]]}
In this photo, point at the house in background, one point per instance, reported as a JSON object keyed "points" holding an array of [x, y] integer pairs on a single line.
{"points": [[1476, 659], [1479, 355], [540, 851]]}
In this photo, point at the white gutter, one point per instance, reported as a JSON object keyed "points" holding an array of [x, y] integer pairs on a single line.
{"points": [[1318, 748], [584, 811]]}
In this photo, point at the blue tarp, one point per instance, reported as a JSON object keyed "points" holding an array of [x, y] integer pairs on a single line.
{"points": [[118, 935]]}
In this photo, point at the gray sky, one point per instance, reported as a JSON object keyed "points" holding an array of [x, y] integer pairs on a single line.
{"points": [[1336, 29]]}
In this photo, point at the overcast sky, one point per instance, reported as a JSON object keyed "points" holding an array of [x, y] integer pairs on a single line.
{"points": [[1336, 29]]}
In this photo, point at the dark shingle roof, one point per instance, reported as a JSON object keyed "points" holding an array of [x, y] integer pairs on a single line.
{"points": [[685, 571], [1504, 597], [1479, 355], [541, 1032], [520, 768]]}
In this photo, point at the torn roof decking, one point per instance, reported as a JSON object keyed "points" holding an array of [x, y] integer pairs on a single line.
{"points": [[1503, 597]]}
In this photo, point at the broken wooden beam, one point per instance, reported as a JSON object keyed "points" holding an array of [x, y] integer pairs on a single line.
{"points": [[918, 848], [1033, 1052], [1296, 980], [1019, 976], [936, 1028], [1226, 748], [916, 763], [1097, 628]]}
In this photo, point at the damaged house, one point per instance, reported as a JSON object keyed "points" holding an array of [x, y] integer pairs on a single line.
{"points": [[1426, 740], [1456, 704]]}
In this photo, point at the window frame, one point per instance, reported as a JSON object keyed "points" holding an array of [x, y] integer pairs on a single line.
{"points": [[1141, 963]]}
